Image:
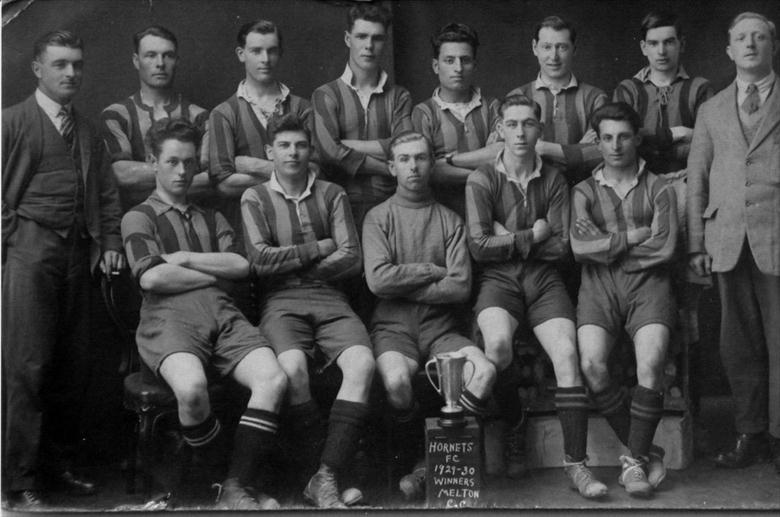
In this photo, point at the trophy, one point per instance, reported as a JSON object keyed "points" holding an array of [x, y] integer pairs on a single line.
{"points": [[449, 371]]}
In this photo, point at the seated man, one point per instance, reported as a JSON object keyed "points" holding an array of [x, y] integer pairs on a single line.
{"points": [[518, 217], [300, 238], [181, 254], [623, 231], [418, 264]]}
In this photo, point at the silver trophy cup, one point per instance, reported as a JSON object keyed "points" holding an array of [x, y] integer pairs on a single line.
{"points": [[449, 371]]}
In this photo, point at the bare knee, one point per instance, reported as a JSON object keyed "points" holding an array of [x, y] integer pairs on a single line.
{"points": [[649, 375], [297, 374], [193, 398], [595, 370], [566, 364], [398, 384], [271, 386], [498, 349], [359, 368]]}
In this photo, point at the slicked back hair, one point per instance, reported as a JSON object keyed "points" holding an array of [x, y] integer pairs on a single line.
{"points": [[154, 30], [655, 19], [260, 27], [748, 14], [179, 129], [455, 33], [58, 38], [520, 100], [369, 12], [615, 111], [408, 136], [556, 23]]}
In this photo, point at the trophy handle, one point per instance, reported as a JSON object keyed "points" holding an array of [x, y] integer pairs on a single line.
{"points": [[437, 387], [473, 371]]}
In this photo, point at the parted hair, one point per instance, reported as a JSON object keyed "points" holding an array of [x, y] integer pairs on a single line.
{"points": [[615, 111], [288, 122], [172, 129], [405, 137], [260, 27], [520, 100], [655, 19], [155, 30], [749, 14], [455, 33], [58, 38], [369, 12], [556, 23]]}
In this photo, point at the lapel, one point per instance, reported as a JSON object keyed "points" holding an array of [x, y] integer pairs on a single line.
{"points": [[771, 116], [85, 147], [730, 117], [34, 128]]}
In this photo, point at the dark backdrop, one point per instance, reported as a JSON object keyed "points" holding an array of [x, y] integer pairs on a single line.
{"points": [[314, 53]]}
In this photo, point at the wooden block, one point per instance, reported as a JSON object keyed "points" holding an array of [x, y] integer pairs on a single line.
{"points": [[453, 458], [544, 442]]}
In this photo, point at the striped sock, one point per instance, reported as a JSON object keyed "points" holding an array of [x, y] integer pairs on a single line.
{"points": [[613, 404], [647, 408], [200, 435], [572, 407], [473, 404], [255, 439]]}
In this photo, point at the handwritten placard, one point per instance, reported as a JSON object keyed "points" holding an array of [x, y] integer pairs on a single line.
{"points": [[454, 465]]}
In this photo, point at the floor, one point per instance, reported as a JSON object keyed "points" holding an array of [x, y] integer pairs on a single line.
{"points": [[700, 487]]}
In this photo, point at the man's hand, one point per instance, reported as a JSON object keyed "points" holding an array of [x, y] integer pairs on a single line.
{"points": [[177, 258], [586, 227], [700, 263], [499, 229], [112, 262], [541, 230], [681, 134], [589, 137], [638, 235], [325, 247]]}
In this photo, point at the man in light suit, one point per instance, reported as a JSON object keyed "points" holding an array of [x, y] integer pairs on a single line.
{"points": [[60, 213], [734, 231]]}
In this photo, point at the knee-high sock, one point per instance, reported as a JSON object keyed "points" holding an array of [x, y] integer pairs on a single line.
{"points": [[407, 432], [308, 434], [255, 439], [507, 398], [647, 407], [613, 404], [344, 428], [572, 407], [202, 434], [472, 404]]}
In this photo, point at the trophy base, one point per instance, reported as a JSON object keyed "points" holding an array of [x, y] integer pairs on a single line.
{"points": [[452, 419]]}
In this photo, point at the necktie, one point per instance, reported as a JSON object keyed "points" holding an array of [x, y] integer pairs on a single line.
{"points": [[752, 101], [67, 127]]}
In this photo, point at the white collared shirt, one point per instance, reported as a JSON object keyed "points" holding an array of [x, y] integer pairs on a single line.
{"points": [[602, 180], [644, 75], [540, 83], [459, 109], [524, 181], [365, 98], [263, 114], [764, 87], [52, 108]]}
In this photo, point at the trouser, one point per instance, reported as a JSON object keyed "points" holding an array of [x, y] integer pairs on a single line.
{"points": [[750, 344], [45, 299]]}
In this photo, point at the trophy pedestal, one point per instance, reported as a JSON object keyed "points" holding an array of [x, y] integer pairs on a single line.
{"points": [[452, 418], [453, 460]]}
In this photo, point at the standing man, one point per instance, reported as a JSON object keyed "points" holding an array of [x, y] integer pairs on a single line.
{"points": [[126, 123], [567, 104], [179, 254], [300, 237], [624, 231], [457, 119], [518, 218], [417, 262], [356, 115], [666, 98], [239, 126], [60, 222], [734, 231]]}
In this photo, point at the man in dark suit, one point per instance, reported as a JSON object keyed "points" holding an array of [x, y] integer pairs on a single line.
{"points": [[60, 216], [734, 231]]}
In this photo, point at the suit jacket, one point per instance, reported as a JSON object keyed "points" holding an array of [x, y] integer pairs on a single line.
{"points": [[22, 151], [734, 185]]}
